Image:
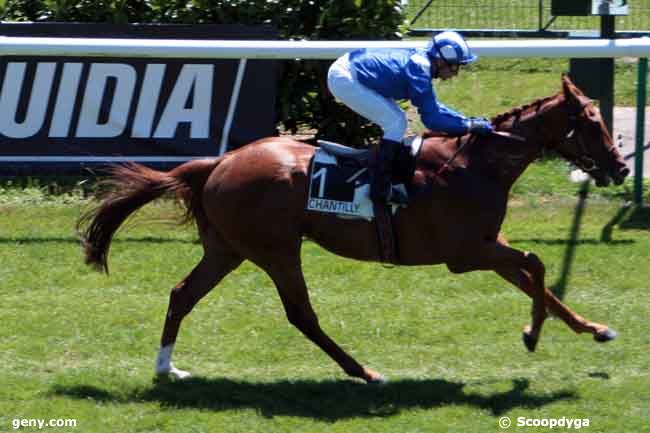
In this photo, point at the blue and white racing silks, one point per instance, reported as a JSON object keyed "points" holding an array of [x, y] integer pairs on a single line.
{"points": [[407, 74]]}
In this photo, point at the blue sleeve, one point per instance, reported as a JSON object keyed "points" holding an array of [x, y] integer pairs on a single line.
{"points": [[434, 115]]}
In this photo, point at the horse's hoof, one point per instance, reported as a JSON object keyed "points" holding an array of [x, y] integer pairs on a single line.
{"points": [[377, 380], [529, 341], [172, 374], [374, 378], [606, 335], [179, 374]]}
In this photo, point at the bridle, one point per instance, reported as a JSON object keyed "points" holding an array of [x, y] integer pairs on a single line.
{"points": [[584, 162], [572, 132]]}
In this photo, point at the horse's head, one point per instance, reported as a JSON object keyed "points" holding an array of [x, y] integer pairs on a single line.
{"points": [[584, 138]]}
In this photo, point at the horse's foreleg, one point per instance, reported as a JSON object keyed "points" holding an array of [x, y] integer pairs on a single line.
{"points": [[577, 323], [215, 264], [291, 286], [496, 255]]}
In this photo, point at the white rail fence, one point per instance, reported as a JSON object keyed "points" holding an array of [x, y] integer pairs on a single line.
{"points": [[240, 49], [254, 49]]}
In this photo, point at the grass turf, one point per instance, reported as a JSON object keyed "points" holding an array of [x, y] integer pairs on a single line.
{"points": [[80, 345]]}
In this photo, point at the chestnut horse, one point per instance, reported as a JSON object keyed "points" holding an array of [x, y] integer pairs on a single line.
{"points": [[249, 204]]}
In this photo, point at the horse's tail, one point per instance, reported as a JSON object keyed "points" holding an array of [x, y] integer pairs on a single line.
{"points": [[128, 188]]}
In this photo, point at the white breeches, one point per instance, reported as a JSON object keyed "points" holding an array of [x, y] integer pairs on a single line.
{"points": [[343, 83]]}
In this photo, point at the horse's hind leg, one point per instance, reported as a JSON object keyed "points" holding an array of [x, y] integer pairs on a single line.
{"points": [[577, 323], [218, 260], [289, 280]]}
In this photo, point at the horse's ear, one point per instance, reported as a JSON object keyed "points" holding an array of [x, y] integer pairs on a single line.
{"points": [[570, 90], [567, 84]]}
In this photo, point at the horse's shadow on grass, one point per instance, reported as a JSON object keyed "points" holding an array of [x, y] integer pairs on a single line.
{"points": [[75, 240], [326, 400]]}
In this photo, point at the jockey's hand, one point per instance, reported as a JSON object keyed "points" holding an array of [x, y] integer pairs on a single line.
{"points": [[480, 126]]}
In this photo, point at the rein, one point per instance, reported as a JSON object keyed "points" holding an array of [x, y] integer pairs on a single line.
{"points": [[583, 162], [461, 146]]}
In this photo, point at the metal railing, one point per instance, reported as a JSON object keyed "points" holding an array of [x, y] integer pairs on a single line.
{"points": [[516, 18]]}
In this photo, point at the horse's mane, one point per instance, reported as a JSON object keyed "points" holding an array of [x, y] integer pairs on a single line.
{"points": [[518, 111], [514, 112]]}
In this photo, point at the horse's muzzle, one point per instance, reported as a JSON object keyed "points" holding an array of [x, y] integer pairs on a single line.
{"points": [[618, 176]]}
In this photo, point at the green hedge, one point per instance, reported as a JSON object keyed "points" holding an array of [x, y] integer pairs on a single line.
{"points": [[303, 100]]}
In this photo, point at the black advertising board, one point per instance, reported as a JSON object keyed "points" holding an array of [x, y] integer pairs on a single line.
{"points": [[71, 111]]}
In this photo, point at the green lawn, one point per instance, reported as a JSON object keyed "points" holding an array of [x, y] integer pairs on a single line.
{"points": [[80, 345]]}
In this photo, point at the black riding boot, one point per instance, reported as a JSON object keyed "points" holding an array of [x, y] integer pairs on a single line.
{"points": [[381, 171]]}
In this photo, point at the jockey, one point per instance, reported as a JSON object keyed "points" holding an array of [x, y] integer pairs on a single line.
{"points": [[370, 80]]}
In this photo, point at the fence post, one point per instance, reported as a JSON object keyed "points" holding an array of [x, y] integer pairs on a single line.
{"points": [[640, 124], [607, 31]]}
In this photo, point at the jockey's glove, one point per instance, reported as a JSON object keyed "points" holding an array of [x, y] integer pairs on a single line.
{"points": [[480, 126]]}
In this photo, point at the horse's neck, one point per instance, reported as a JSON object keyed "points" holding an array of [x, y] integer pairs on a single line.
{"points": [[501, 158], [530, 126], [534, 124], [533, 121]]}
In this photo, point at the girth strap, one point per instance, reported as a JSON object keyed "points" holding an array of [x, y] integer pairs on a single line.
{"points": [[384, 225], [385, 234]]}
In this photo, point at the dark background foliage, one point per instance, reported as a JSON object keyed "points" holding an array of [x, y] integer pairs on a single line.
{"points": [[303, 104]]}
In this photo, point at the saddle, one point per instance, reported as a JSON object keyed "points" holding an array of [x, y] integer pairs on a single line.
{"points": [[362, 156], [339, 183]]}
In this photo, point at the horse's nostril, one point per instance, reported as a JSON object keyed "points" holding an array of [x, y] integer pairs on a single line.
{"points": [[624, 172]]}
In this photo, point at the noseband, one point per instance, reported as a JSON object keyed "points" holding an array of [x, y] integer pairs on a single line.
{"points": [[584, 162]]}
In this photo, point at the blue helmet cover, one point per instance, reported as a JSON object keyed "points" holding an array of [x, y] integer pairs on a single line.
{"points": [[451, 47]]}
